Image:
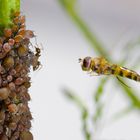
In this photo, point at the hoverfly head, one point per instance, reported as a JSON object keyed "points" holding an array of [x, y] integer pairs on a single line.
{"points": [[85, 63]]}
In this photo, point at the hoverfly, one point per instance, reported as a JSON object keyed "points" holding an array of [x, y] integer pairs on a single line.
{"points": [[100, 66]]}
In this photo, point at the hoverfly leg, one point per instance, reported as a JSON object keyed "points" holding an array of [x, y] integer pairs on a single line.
{"points": [[122, 82], [91, 73]]}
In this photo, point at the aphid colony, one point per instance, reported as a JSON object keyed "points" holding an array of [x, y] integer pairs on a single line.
{"points": [[16, 58], [100, 66]]}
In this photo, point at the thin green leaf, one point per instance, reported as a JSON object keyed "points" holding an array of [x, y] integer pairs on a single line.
{"points": [[98, 112], [84, 112], [134, 99], [86, 131], [70, 95], [100, 89], [122, 113]]}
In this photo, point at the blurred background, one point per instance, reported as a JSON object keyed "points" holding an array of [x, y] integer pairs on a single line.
{"points": [[68, 104]]}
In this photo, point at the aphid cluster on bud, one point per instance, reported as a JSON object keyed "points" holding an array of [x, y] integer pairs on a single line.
{"points": [[16, 58]]}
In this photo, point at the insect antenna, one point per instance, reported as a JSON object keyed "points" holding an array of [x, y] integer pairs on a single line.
{"points": [[79, 60], [122, 82]]}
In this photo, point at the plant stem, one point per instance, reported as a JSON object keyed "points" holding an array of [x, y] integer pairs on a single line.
{"points": [[7, 7]]}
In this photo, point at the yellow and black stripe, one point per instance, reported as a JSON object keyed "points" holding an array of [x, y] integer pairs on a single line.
{"points": [[124, 72]]}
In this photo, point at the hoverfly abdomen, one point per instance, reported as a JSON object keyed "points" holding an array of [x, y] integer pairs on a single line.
{"points": [[121, 73], [124, 72], [134, 76], [138, 78]]}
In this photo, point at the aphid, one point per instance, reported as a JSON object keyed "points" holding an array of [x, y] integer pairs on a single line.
{"points": [[9, 78], [22, 89], [12, 125], [26, 33], [22, 50], [12, 72], [100, 66], [12, 108], [16, 14], [7, 32], [2, 116], [19, 81], [38, 52], [12, 95], [15, 28], [11, 42], [23, 26], [3, 137], [1, 43], [18, 68], [7, 101], [22, 108], [8, 62], [18, 38], [2, 54], [16, 20], [27, 84], [22, 19], [4, 93], [2, 40], [29, 34], [23, 73], [27, 96], [12, 86], [6, 47], [26, 135], [4, 83], [26, 41], [35, 62], [2, 70], [22, 32]]}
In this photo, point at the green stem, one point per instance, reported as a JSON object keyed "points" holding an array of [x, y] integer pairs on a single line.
{"points": [[7, 7]]}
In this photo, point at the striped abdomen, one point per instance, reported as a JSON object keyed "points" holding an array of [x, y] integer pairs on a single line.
{"points": [[124, 72]]}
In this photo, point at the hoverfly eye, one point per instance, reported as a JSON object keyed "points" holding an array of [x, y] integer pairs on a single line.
{"points": [[86, 62]]}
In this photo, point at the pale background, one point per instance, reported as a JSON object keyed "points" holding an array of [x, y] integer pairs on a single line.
{"points": [[54, 117]]}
